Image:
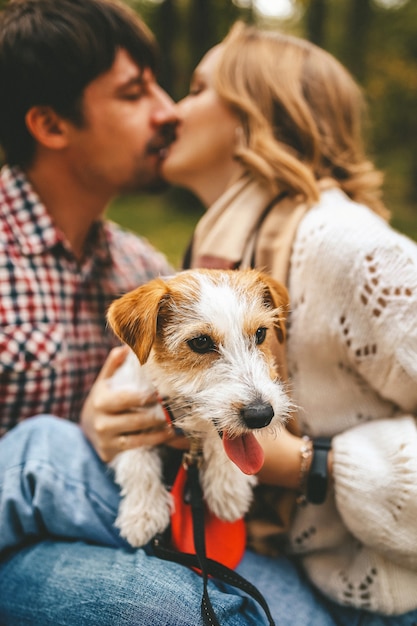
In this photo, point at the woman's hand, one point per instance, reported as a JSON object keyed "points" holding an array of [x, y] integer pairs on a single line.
{"points": [[115, 420], [282, 466]]}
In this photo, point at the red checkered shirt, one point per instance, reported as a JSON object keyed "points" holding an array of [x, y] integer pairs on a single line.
{"points": [[53, 335]]}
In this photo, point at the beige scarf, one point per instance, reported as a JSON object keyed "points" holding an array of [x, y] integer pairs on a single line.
{"points": [[248, 226]]}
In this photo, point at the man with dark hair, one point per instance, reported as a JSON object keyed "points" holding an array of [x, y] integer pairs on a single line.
{"points": [[50, 52], [82, 119]]}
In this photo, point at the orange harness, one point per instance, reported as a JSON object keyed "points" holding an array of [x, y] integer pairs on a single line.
{"points": [[225, 541]]}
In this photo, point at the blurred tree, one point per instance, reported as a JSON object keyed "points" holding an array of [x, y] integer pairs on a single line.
{"points": [[377, 41], [358, 24], [391, 85], [185, 30], [165, 29], [315, 21]]}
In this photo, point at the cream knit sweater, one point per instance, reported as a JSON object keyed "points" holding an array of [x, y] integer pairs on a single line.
{"points": [[352, 355]]}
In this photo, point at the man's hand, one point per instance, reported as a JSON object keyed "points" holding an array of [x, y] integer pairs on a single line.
{"points": [[115, 420]]}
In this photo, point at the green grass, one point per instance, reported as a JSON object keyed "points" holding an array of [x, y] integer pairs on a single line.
{"points": [[166, 220]]}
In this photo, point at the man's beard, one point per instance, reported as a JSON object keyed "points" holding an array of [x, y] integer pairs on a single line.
{"points": [[155, 183], [156, 186], [147, 177]]}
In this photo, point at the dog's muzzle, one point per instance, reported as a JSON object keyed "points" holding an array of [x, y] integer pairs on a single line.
{"points": [[257, 414]]}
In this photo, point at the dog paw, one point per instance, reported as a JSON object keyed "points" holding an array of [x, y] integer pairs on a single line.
{"points": [[145, 507], [229, 499], [140, 519]]}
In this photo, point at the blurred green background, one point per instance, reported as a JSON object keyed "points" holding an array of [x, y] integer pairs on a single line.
{"points": [[375, 39], [167, 221]]}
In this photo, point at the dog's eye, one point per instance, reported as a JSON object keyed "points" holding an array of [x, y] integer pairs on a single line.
{"points": [[260, 335], [202, 344]]}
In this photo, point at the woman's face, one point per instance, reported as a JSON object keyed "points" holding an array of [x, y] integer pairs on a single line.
{"points": [[201, 158]]}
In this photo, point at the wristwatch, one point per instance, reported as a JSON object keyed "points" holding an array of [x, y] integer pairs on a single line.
{"points": [[317, 477]]}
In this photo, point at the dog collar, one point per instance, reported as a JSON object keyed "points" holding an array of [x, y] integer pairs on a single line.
{"points": [[169, 416]]}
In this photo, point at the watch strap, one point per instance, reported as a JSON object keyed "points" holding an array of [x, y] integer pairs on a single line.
{"points": [[317, 478]]}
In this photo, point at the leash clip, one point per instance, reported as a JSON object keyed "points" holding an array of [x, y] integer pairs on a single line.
{"points": [[194, 456]]}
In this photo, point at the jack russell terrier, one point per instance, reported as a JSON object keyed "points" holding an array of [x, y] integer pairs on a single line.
{"points": [[202, 337]]}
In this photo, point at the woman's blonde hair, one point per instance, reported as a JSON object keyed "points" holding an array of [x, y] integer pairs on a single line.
{"points": [[301, 115]]}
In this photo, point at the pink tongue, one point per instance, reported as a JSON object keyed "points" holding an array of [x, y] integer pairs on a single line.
{"points": [[245, 452]]}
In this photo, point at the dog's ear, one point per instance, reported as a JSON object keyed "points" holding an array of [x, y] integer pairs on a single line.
{"points": [[134, 316], [277, 295]]}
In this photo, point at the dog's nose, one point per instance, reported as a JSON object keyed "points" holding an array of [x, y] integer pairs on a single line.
{"points": [[257, 415]]}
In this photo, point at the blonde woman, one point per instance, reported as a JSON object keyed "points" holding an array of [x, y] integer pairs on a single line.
{"points": [[270, 139]]}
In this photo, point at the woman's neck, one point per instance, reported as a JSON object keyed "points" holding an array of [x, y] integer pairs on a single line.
{"points": [[209, 188]]}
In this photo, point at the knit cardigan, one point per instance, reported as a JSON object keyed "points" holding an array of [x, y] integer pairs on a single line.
{"points": [[352, 359]]}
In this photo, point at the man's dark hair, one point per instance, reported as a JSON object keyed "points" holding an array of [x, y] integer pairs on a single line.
{"points": [[50, 50]]}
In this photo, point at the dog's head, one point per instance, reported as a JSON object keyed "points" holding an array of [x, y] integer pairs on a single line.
{"points": [[139, 316], [205, 336]]}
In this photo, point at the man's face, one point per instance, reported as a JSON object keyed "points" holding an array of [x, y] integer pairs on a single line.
{"points": [[128, 122]]}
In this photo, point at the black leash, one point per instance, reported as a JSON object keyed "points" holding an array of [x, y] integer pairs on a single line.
{"points": [[208, 567]]}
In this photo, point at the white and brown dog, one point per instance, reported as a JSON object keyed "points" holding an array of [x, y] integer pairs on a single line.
{"points": [[201, 337]]}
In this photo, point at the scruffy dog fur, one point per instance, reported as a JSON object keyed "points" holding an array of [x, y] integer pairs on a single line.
{"points": [[202, 337]]}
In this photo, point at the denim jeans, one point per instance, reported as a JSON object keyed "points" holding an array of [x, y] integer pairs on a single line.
{"points": [[62, 561]]}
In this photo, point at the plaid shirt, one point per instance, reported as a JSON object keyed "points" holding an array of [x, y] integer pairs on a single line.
{"points": [[53, 334]]}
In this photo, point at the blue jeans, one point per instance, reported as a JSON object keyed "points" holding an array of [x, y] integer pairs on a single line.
{"points": [[62, 562]]}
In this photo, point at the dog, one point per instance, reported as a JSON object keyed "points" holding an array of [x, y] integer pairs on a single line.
{"points": [[202, 337]]}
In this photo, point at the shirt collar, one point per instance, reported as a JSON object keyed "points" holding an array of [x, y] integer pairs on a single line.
{"points": [[32, 225]]}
